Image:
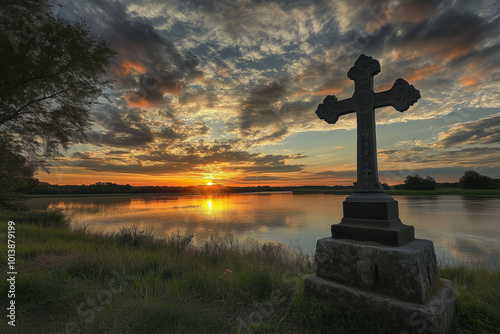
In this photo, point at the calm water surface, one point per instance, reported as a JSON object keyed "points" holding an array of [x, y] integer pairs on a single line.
{"points": [[461, 227]]}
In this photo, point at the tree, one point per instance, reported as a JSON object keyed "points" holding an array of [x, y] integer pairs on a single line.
{"points": [[473, 180], [15, 174], [52, 72], [419, 183]]}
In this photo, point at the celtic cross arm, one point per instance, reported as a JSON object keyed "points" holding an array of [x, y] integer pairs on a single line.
{"points": [[331, 109], [401, 96]]}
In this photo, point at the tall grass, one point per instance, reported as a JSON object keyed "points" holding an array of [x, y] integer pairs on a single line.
{"points": [[53, 217], [477, 293], [131, 235]]}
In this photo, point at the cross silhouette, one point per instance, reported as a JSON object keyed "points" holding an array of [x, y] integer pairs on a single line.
{"points": [[364, 102], [369, 214]]}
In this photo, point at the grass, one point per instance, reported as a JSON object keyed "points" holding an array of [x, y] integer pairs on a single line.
{"points": [[130, 282], [396, 192], [43, 217]]}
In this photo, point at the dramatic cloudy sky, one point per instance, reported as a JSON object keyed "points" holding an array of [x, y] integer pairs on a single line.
{"points": [[225, 91]]}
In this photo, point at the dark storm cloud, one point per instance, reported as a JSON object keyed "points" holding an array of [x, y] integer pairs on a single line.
{"points": [[204, 154], [482, 131], [485, 58], [248, 22], [128, 128], [420, 154], [438, 28], [273, 137], [206, 97], [180, 131], [100, 165], [408, 10], [473, 155], [368, 16], [169, 133], [83, 155], [149, 65], [259, 109], [124, 128], [116, 152], [450, 35], [298, 111], [415, 157], [372, 44]]}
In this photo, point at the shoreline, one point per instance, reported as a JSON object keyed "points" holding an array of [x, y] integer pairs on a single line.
{"points": [[404, 192], [390, 192], [161, 194]]}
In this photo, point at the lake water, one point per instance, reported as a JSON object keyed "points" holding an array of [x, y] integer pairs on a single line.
{"points": [[466, 228]]}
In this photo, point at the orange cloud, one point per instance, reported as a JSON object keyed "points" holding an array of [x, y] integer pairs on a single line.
{"points": [[334, 87], [177, 88], [126, 67], [300, 93], [440, 51], [458, 52], [135, 102], [468, 81], [471, 78], [138, 104], [423, 72]]}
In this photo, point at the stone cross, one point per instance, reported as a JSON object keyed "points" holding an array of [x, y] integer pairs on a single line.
{"points": [[369, 213], [372, 264], [364, 101]]}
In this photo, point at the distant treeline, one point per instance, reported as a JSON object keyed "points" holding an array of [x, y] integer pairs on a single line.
{"points": [[470, 180], [43, 188]]}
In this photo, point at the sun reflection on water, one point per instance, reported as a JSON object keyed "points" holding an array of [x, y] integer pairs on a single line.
{"points": [[455, 225]]}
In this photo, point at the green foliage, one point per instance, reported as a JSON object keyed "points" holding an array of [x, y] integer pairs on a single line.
{"points": [[473, 180], [417, 182], [52, 71], [179, 242], [132, 236], [477, 293], [53, 218], [16, 174]]}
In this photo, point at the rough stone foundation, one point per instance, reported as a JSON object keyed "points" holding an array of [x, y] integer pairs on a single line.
{"points": [[398, 284], [433, 317]]}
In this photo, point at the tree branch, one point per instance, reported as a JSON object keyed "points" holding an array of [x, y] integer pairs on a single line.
{"points": [[18, 111]]}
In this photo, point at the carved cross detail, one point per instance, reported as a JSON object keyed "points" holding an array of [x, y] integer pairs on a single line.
{"points": [[364, 102]]}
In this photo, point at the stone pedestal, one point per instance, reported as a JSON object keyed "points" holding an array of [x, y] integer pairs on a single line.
{"points": [[373, 217], [397, 284]]}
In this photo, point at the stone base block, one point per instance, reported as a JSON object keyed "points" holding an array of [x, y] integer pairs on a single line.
{"points": [[391, 233], [373, 217], [434, 317], [408, 273]]}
